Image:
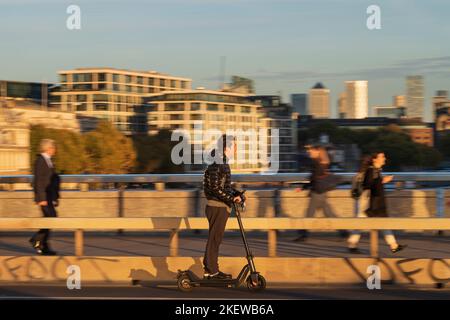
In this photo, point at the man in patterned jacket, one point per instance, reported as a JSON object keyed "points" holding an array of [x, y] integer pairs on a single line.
{"points": [[220, 196]]}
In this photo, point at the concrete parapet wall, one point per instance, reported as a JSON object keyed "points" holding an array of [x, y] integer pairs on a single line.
{"points": [[314, 271], [169, 203]]}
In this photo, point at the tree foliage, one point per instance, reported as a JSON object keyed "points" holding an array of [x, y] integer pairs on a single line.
{"points": [[70, 157], [108, 150], [154, 153]]}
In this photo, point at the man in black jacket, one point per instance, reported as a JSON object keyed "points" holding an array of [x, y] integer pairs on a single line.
{"points": [[46, 192], [220, 196]]}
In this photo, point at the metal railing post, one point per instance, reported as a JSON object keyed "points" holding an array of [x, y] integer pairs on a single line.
{"points": [[173, 243], [440, 206], [79, 242], [272, 242], [374, 243]]}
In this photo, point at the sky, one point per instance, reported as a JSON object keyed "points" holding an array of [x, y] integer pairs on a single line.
{"points": [[285, 46]]}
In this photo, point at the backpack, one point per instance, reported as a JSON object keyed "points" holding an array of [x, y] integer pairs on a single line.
{"points": [[357, 185]]}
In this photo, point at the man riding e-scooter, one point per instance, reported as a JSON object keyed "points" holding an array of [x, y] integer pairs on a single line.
{"points": [[220, 196]]}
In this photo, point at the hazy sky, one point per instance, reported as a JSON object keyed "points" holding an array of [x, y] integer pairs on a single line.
{"points": [[284, 45]]}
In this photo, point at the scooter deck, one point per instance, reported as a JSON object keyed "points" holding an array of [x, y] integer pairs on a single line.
{"points": [[202, 282], [215, 283]]}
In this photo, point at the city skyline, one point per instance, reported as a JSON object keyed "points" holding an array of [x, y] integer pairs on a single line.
{"points": [[285, 46]]}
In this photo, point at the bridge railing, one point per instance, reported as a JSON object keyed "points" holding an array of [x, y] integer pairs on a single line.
{"points": [[197, 177], [270, 225]]}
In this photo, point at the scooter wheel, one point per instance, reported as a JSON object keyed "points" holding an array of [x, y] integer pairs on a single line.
{"points": [[256, 287], [184, 284]]}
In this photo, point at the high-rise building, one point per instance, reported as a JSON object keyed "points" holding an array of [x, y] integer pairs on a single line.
{"points": [[441, 110], [299, 103], [415, 91], [357, 99], [319, 101], [342, 105], [112, 94], [399, 101]]}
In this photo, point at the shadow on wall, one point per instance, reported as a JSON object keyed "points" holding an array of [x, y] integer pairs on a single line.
{"points": [[146, 279]]}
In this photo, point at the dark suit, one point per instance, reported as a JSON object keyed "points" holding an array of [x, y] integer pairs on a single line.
{"points": [[46, 188]]}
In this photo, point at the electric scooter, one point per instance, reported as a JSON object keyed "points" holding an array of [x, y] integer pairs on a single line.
{"points": [[187, 279]]}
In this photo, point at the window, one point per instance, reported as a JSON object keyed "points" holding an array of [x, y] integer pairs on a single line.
{"points": [[173, 83], [82, 77], [183, 84], [176, 117], [102, 86], [127, 79], [102, 77], [212, 107], [81, 98], [229, 108], [140, 80], [174, 107], [245, 109], [116, 87], [151, 81], [81, 106], [63, 77], [116, 78], [196, 116], [100, 107], [162, 82], [195, 106], [100, 97]]}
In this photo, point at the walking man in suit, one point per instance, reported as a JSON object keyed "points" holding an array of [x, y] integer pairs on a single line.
{"points": [[46, 193]]}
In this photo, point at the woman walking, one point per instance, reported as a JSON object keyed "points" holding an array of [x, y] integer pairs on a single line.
{"points": [[373, 187]]}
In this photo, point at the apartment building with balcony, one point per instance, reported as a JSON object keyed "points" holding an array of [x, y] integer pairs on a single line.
{"points": [[112, 94]]}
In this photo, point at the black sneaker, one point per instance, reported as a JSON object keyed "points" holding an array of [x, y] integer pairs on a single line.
{"points": [[46, 251], [217, 276], [225, 275], [37, 246], [399, 248]]}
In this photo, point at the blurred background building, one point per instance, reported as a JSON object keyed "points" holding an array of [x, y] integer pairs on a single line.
{"points": [[25, 93], [112, 94], [319, 101], [357, 99], [203, 109], [14, 143], [299, 103], [415, 93]]}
